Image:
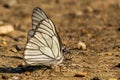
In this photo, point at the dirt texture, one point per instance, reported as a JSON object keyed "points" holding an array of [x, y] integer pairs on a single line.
{"points": [[94, 22]]}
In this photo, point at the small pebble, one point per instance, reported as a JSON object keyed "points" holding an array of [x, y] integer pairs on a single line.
{"points": [[13, 50], [9, 3], [81, 45], [6, 29], [80, 74], [84, 31], [89, 35], [118, 29], [53, 75], [95, 78], [79, 13], [27, 73], [118, 65], [2, 77], [15, 78], [3, 43], [20, 38], [106, 53], [89, 9], [109, 53], [112, 79], [18, 47]]}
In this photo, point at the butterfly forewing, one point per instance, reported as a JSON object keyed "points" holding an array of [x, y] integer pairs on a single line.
{"points": [[37, 16], [43, 46]]}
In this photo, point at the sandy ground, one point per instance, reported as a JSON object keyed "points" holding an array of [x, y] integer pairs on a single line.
{"points": [[94, 22]]}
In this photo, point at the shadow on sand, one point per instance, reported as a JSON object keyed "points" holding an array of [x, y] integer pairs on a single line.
{"points": [[21, 68]]}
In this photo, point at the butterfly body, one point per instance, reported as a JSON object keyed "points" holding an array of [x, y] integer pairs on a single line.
{"points": [[43, 46]]}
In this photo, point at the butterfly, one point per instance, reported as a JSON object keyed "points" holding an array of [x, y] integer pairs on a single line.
{"points": [[43, 45]]}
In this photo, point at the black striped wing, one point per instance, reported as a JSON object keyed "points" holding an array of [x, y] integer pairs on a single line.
{"points": [[43, 46]]}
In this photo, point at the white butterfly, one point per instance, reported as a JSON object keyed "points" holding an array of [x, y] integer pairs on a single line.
{"points": [[44, 45]]}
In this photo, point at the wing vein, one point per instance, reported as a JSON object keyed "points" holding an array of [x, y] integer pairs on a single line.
{"points": [[46, 25], [39, 41], [45, 54], [45, 29]]}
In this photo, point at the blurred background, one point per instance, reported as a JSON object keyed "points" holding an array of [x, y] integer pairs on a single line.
{"points": [[89, 30]]}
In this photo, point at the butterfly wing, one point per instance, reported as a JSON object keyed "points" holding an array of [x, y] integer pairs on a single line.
{"points": [[44, 45], [37, 16]]}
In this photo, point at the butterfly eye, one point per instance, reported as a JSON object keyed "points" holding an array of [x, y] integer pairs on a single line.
{"points": [[44, 45]]}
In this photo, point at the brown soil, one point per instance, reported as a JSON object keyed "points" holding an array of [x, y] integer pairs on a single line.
{"points": [[94, 22]]}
